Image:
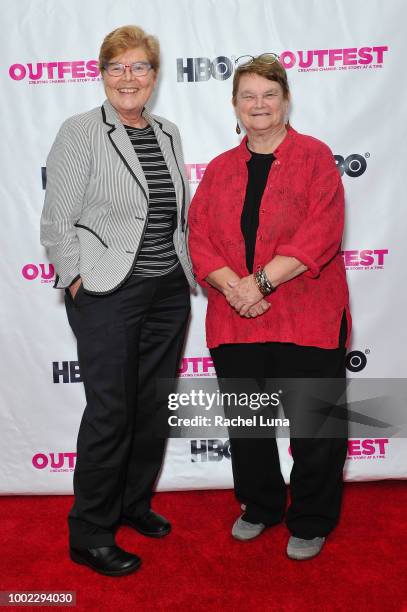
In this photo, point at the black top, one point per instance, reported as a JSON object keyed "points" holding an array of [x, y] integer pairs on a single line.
{"points": [[258, 168], [157, 254]]}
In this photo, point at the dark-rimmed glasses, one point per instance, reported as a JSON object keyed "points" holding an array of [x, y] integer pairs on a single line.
{"points": [[266, 58], [137, 68]]}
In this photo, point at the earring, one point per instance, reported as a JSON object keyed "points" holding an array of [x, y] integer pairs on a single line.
{"points": [[238, 130]]}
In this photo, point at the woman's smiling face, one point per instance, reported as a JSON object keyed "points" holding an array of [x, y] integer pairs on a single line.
{"points": [[129, 93], [260, 104]]}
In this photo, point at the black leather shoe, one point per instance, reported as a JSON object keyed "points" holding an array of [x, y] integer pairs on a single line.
{"points": [[107, 560], [149, 524]]}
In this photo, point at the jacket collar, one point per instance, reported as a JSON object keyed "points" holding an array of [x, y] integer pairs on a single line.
{"points": [[279, 152], [121, 142], [164, 132]]}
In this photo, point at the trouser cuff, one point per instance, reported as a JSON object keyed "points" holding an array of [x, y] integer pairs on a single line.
{"points": [[92, 541]]}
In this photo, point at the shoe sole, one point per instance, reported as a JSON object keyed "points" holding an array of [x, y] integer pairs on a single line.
{"points": [[245, 539], [236, 537], [149, 534], [116, 573], [299, 558]]}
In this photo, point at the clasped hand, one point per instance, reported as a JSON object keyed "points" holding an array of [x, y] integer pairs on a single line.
{"points": [[245, 297]]}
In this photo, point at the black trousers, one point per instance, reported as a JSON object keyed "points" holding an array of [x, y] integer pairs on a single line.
{"points": [[316, 477], [127, 341]]}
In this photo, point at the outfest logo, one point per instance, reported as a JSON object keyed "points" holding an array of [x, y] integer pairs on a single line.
{"points": [[364, 448], [195, 172], [44, 272], [367, 448], [196, 366], [55, 461], [350, 58], [220, 68], [45, 73], [365, 259]]}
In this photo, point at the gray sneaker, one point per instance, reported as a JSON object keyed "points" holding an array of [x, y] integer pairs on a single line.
{"points": [[300, 549], [244, 531]]}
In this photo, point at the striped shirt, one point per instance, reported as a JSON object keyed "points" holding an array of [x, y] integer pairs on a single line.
{"points": [[157, 255]]}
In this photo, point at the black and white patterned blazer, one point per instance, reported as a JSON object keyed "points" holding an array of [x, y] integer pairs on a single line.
{"points": [[96, 200]]}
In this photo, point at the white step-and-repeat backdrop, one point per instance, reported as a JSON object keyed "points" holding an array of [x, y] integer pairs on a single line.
{"points": [[346, 66]]}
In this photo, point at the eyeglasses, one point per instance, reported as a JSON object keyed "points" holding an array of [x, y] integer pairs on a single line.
{"points": [[137, 68], [266, 58]]}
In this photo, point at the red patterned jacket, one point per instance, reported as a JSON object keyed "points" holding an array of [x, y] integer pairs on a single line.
{"points": [[301, 215]]}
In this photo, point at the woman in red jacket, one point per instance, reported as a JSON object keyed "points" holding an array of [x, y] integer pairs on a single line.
{"points": [[266, 227]]}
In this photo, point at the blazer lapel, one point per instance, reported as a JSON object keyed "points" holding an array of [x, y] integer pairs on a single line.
{"points": [[165, 140], [121, 143]]}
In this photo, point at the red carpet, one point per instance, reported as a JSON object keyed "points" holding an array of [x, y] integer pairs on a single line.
{"points": [[199, 566]]}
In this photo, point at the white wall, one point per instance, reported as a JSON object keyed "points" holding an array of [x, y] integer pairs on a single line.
{"points": [[353, 96]]}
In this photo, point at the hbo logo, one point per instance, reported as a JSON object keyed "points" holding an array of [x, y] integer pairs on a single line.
{"points": [[209, 450], [353, 166], [192, 69], [356, 361]]}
